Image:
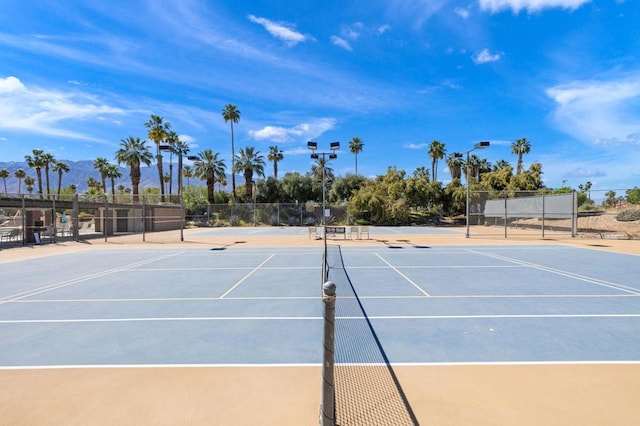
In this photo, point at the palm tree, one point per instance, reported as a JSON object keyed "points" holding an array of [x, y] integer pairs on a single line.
{"points": [[275, 155], [133, 153], [455, 166], [181, 148], [101, 164], [158, 131], [209, 167], [60, 168], [249, 162], [436, 152], [47, 161], [318, 168], [187, 172], [113, 172], [172, 139], [501, 165], [92, 183], [19, 174], [231, 114], [4, 174], [355, 146], [28, 183], [519, 148], [36, 163]]}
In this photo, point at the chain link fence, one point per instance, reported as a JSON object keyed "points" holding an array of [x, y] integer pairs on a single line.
{"points": [[28, 219], [593, 214]]}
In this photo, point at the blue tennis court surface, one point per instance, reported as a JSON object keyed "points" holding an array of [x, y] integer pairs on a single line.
{"points": [[263, 306]]}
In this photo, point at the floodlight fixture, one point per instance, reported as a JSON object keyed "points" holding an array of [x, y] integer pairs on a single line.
{"points": [[193, 158], [334, 145], [482, 145], [315, 156], [312, 145], [165, 147], [333, 156], [457, 155]]}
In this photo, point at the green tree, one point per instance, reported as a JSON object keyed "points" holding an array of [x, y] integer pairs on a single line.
{"points": [[20, 175], [113, 172], [231, 114], [269, 190], [133, 153], [297, 188], [37, 164], [355, 147], [187, 172], [101, 164], [158, 130], [4, 174], [28, 183], [181, 148], [519, 148], [437, 151], [60, 168], [249, 162], [275, 155], [343, 188], [455, 166], [47, 161], [633, 195], [209, 167]]}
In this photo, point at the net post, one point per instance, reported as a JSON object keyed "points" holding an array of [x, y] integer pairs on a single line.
{"points": [[328, 384]]}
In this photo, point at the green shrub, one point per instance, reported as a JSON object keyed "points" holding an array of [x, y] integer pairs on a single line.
{"points": [[628, 215]]}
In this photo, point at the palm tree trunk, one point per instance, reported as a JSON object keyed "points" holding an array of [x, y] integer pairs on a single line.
{"points": [[233, 159]]}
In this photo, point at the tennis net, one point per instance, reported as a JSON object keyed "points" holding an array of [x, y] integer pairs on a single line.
{"points": [[367, 391]]}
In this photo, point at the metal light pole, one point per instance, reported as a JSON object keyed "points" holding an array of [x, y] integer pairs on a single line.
{"points": [[479, 145], [332, 156]]}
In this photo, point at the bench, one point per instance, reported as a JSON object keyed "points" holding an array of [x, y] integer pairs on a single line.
{"points": [[335, 231]]}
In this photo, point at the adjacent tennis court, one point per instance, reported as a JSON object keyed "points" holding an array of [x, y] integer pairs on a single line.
{"points": [[423, 306]]}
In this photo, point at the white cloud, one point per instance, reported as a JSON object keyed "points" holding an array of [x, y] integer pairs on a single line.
{"points": [[412, 145], [531, 6], [43, 111], [604, 112], [340, 42], [299, 132], [383, 29], [485, 56], [280, 31], [462, 12]]}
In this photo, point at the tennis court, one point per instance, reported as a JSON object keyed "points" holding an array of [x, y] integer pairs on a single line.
{"points": [[224, 310]]}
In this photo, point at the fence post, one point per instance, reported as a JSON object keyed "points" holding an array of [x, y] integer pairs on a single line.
{"points": [[104, 217], [24, 222], [144, 219], [75, 218], [543, 216], [506, 215], [574, 215], [328, 384]]}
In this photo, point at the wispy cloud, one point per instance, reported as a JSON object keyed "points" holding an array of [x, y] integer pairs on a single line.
{"points": [[411, 145], [279, 30], [44, 111], [531, 6], [462, 12], [603, 112], [300, 132], [485, 56], [340, 42], [381, 29]]}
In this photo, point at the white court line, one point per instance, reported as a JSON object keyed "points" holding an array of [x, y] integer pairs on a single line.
{"points": [[50, 287], [247, 276], [235, 268], [124, 366], [443, 267], [510, 316], [157, 319], [165, 299], [585, 278], [403, 275], [305, 318]]}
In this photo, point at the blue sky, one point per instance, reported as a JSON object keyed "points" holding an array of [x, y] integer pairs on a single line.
{"points": [[76, 77]]}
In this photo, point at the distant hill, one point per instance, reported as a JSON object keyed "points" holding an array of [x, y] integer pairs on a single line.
{"points": [[80, 171]]}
